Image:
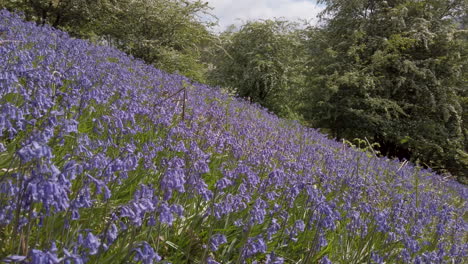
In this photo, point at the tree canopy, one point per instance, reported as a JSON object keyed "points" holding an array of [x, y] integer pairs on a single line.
{"points": [[262, 61], [392, 71]]}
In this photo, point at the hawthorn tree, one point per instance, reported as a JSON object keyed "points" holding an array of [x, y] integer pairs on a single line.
{"points": [[262, 61]]}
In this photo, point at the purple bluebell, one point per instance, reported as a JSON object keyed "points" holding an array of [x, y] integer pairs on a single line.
{"points": [[146, 254], [72, 258], [2, 147], [34, 150], [258, 212], [210, 260], [223, 183], [272, 258], [325, 260], [40, 257], [376, 258], [254, 246], [112, 233], [165, 214], [273, 228], [92, 243], [13, 259], [216, 240]]}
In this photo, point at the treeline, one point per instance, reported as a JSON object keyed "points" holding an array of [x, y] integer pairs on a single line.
{"points": [[393, 72]]}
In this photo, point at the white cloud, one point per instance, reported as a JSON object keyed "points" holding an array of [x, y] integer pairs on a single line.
{"points": [[239, 11]]}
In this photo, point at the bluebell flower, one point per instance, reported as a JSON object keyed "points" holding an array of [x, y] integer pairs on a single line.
{"points": [[376, 258], [405, 256], [112, 233], [35, 150], [216, 240], [72, 258], [273, 228], [325, 260], [40, 257], [2, 147], [258, 212], [223, 183], [92, 243], [210, 260], [173, 180], [412, 245], [165, 214], [272, 258], [13, 259], [146, 254], [177, 209], [253, 247]]}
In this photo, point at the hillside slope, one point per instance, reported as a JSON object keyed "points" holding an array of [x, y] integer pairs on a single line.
{"points": [[104, 159]]}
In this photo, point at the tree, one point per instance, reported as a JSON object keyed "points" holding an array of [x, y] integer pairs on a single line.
{"points": [[166, 33], [263, 61], [392, 71]]}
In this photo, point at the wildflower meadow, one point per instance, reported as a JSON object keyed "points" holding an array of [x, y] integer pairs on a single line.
{"points": [[105, 159]]}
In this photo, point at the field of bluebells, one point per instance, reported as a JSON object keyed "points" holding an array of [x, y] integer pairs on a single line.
{"points": [[104, 159]]}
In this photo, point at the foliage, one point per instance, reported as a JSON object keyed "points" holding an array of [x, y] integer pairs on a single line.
{"points": [[169, 34], [393, 71], [104, 159], [263, 61]]}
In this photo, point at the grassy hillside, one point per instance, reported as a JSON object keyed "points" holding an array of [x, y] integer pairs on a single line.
{"points": [[104, 159]]}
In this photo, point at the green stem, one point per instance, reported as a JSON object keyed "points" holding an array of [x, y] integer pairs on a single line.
{"points": [[244, 241], [210, 232]]}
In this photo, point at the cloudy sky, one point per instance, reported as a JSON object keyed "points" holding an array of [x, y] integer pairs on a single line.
{"points": [[239, 11]]}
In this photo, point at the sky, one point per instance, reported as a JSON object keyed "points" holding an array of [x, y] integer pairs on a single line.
{"points": [[238, 12]]}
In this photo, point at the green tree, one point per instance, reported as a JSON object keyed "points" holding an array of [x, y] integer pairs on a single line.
{"points": [[166, 33], [169, 34], [263, 61], [392, 71]]}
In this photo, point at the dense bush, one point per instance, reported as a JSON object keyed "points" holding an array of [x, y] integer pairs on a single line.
{"points": [[104, 159]]}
